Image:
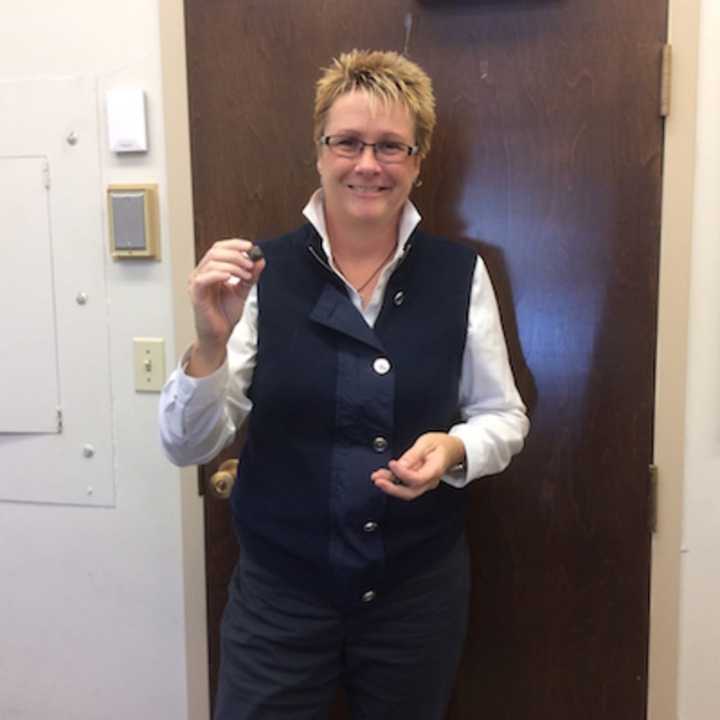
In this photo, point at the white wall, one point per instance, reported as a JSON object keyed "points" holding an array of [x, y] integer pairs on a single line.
{"points": [[699, 668], [92, 600]]}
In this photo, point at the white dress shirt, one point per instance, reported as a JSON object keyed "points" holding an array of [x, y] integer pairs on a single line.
{"points": [[200, 416]]}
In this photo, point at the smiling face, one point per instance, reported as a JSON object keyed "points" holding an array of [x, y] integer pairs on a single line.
{"points": [[362, 190]]}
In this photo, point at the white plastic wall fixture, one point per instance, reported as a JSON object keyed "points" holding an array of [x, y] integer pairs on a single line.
{"points": [[126, 122]]}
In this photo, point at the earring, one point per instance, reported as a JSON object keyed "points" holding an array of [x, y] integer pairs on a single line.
{"points": [[418, 183]]}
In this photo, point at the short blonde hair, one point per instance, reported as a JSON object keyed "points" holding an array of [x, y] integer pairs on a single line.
{"points": [[387, 76]]}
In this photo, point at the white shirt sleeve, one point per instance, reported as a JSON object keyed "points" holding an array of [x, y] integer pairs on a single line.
{"points": [[200, 416], [495, 423]]}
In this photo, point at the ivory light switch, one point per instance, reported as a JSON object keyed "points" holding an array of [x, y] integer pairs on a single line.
{"points": [[149, 361]]}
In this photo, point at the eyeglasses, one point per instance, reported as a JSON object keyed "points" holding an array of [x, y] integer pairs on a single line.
{"points": [[386, 151]]}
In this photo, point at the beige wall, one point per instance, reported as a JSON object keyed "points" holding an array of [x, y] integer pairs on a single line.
{"points": [[685, 618], [699, 646], [678, 194]]}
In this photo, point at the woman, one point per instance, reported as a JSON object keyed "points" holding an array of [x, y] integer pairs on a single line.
{"points": [[371, 361]]}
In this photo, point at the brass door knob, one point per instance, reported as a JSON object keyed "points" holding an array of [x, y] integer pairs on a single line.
{"points": [[222, 481]]}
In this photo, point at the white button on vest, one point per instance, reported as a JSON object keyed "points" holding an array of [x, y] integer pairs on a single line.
{"points": [[380, 444], [399, 297], [370, 526], [369, 596], [381, 366]]}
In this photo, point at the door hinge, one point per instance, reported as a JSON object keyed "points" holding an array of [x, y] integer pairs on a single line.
{"points": [[46, 174], [653, 499], [666, 81], [59, 420], [201, 482]]}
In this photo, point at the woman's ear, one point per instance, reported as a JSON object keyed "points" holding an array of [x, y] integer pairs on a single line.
{"points": [[418, 163]]}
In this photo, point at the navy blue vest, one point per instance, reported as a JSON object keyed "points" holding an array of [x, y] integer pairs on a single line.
{"points": [[326, 414]]}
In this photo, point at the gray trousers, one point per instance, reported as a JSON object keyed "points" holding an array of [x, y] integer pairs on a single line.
{"points": [[284, 652]]}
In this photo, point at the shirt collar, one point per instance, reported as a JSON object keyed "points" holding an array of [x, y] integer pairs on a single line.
{"points": [[315, 213]]}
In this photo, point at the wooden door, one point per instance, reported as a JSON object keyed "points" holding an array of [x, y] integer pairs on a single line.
{"points": [[547, 157]]}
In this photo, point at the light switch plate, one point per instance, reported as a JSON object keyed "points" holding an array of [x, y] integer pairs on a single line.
{"points": [[149, 361]]}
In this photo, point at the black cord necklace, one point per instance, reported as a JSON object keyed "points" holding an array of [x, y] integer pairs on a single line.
{"points": [[360, 288]]}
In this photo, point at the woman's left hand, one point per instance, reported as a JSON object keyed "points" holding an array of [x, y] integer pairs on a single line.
{"points": [[421, 467]]}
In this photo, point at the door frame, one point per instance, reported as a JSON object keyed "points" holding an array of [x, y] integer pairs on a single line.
{"points": [[671, 368]]}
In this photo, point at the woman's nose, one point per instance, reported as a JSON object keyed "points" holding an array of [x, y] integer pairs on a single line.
{"points": [[367, 160]]}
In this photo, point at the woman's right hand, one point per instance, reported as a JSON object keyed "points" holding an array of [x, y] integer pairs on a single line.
{"points": [[218, 301]]}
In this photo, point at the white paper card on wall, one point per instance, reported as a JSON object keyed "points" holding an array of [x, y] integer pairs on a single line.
{"points": [[127, 130]]}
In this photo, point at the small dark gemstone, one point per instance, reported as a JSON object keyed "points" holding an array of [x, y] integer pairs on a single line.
{"points": [[255, 253]]}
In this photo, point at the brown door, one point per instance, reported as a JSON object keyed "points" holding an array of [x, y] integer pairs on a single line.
{"points": [[547, 157]]}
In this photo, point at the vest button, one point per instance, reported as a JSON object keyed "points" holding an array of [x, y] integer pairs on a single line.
{"points": [[381, 366], [370, 526], [399, 297], [380, 444], [368, 596]]}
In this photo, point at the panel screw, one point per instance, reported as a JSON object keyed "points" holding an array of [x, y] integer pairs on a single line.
{"points": [[72, 139], [81, 298], [89, 490], [88, 451]]}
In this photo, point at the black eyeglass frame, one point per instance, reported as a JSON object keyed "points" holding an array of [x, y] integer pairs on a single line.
{"points": [[410, 149]]}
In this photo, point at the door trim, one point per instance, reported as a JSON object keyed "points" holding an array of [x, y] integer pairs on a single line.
{"points": [[179, 214], [671, 363]]}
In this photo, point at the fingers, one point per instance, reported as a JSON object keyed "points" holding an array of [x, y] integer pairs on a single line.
{"points": [[233, 250], [219, 287], [424, 475], [228, 262], [384, 475], [416, 456], [229, 255], [246, 278], [412, 475], [401, 489], [258, 267], [421, 467]]}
